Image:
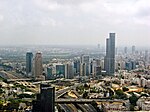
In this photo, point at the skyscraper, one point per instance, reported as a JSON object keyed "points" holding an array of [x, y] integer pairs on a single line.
{"points": [[45, 101], [77, 66], [49, 73], [86, 59], [110, 54], [60, 70], [29, 60], [69, 70], [82, 69], [38, 69], [93, 66]]}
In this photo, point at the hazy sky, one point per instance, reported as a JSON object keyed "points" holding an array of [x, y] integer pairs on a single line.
{"points": [[74, 22]]}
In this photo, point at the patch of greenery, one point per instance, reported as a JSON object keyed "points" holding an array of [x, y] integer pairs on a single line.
{"points": [[120, 94], [133, 99], [94, 90], [25, 96], [85, 95], [19, 86]]}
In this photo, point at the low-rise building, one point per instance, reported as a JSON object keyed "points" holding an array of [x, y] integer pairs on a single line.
{"points": [[113, 107], [144, 103]]}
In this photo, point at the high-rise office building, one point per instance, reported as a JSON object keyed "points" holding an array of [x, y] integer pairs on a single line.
{"points": [[93, 66], [45, 101], [60, 70], [82, 69], [38, 68], [110, 54], [29, 62], [86, 59], [69, 70], [77, 66], [49, 73]]}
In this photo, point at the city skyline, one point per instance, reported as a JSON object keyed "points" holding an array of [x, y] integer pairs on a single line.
{"points": [[75, 79], [73, 22]]}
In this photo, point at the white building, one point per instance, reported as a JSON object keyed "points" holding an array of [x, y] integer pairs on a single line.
{"points": [[144, 103]]}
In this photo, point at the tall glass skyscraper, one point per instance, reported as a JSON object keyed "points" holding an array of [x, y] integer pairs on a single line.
{"points": [[110, 54], [29, 60], [85, 59]]}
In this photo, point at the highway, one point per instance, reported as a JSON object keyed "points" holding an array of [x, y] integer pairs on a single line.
{"points": [[66, 104], [73, 107], [61, 100], [83, 104], [41, 82], [90, 107], [68, 107], [83, 109], [6, 75], [13, 80], [65, 90], [50, 81]]}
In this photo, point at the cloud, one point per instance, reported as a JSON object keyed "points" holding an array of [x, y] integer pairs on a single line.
{"points": [[71, 20], [1, 18]]}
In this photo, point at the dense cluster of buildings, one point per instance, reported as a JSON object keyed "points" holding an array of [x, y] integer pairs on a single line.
{"points": [[84, 65], [116, 70], [80, 66]]}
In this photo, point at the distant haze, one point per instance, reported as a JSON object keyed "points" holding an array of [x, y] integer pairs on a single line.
{"points": [[74, 22]]}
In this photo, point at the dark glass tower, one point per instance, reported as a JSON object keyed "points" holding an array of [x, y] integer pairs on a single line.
{"points": [[110, 55], [45, 101], [60, 70], [29, 59], [77, 67]]}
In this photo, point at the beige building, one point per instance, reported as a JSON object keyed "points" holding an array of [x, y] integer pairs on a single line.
{"points": [[111, 107], [38, 69]]}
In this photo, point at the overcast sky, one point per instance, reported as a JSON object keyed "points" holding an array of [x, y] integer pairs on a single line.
{"points": [[82, 22]]}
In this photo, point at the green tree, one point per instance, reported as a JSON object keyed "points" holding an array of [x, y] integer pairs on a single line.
{"points": [[120, 94], [85, 94], [133, 99], [25, 96]]}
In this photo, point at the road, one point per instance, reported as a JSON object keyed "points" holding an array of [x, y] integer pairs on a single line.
{"points": [[61, 100], [65, 90], [68, 107]]}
